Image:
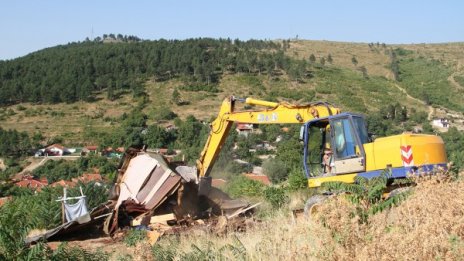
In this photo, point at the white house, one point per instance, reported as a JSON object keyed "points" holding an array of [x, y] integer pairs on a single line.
{"points": [[442, 123]]}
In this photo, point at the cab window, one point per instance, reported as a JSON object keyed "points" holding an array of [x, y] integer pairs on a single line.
{"points": [[344, 139]]}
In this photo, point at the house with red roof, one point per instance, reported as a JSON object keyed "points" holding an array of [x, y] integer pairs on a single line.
{"points": [[218, 183], [4, 200], [56, 150], [63, 183], [31, 184], [259, 177], [92, 149], [88, 177], [244, 128]]}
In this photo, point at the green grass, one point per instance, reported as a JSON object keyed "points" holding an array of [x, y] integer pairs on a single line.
{"points": [[427, 79], [459, 79]]}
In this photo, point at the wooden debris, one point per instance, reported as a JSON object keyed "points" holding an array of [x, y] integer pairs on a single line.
{"points": [[163, 219], [242, 210], [153, 236]]}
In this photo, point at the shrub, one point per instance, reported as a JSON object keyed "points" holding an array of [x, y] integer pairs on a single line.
{"points": [[276, 196], [240, 186], [275, 170], [297, 180], [366, 194]]}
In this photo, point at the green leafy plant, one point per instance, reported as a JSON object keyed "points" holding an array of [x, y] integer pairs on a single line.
{"points": [[241, 186], [276, 196], [135, 236], [367, 194], [297, 180]]}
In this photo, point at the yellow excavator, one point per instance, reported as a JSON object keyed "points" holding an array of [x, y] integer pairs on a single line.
{"points": [[337, 146]]}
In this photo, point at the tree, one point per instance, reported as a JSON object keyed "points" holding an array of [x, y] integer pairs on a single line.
{"points": [[394, 65], [354, 61], [175, 98], [312, 58], [329, 58], [275, 170], [364, 72], [156, 137], [322, 61]]}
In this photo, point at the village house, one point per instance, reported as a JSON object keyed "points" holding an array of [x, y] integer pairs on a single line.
{"points": [[53, 150], [87, 150], [113, 153], [260, 178], [442, 123], [244, 129], [218, 183], [63, 183], [88, 177], [33, 184]]}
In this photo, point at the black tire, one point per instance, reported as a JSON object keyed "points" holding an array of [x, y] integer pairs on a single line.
{"points": [[309, 208]]}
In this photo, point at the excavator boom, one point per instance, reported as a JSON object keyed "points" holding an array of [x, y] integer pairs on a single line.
{"points": [[274, 113]]}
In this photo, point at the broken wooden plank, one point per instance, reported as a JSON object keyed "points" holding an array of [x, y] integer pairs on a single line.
{"points": [[163, 219]]}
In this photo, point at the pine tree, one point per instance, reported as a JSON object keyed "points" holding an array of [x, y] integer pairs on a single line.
{"points": [[354, 61], [312, 58], [329, 58]]}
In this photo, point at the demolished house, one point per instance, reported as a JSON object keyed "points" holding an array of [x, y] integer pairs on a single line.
{"points": [[149, 190]]}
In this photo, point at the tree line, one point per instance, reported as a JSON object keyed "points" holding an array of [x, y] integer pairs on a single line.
{"points": [[77, 71]]}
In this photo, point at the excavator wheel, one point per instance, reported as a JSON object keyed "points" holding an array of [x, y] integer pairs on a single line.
{"points": [[312, 205]]}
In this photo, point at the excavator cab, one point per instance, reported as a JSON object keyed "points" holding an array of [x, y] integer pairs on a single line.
{"points": [[333, 145]]}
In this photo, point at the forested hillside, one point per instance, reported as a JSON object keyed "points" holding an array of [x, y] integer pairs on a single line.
{"points": [[74, 72]]}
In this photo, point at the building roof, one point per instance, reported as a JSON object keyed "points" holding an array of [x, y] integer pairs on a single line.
{"points": [[88, 177], [30, 183], [260, 178], [64, 184], [244, 126], [218, 183], [91, 147], [4, 200], [56, 145]]}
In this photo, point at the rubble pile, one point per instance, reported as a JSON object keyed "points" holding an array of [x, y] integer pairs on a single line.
{"points": [[157, 196]]}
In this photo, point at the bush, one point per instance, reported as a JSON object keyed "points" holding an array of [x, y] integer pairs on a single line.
{"points": [[297, 180], [275, 170], [276, 196], [240, 186], [164, 114]]}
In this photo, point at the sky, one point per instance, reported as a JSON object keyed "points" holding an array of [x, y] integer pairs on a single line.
{"points": [[30, 25]]}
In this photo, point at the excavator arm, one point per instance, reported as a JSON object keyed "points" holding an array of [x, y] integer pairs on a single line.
{"points": [[275, 113]]}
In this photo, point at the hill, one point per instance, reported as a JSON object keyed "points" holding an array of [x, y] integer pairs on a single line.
{"points": [[91, 84]]}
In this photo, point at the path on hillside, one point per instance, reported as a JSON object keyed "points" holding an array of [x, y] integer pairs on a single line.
{"points": [[429, 108], [36, 162]]}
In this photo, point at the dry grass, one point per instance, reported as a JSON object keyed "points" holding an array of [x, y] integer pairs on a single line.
{"points": [[428, 225], [373, 59]]}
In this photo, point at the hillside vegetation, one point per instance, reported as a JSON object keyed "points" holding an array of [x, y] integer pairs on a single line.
{"points": [[91, 84]]}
